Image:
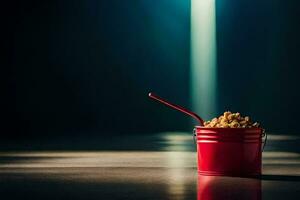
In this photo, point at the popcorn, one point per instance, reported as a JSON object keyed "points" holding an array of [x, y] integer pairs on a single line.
{"points": [[231, 120]]}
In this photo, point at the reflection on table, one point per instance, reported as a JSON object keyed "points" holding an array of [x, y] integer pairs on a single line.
{"points": [[219, 188]]}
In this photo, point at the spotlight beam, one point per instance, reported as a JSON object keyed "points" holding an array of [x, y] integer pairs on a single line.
{"points": [[203, 57]]}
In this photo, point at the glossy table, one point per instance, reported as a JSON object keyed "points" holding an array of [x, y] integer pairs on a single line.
{"points": [[160, 166]]}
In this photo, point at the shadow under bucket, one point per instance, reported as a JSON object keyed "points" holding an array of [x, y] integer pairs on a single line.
{"points": [[229, 151]]}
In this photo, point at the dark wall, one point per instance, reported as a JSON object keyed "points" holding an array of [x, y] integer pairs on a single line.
{"points": [[87, 66], [258, 60]]}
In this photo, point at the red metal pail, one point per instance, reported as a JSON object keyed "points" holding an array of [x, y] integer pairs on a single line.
{"points": [[229, 151]]}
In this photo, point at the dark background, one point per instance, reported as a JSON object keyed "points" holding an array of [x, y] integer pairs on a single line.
{"points": [[85, 67], [258, 61]]}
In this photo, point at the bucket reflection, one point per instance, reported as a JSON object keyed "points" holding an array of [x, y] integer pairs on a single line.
{"points": [[219, 188]]}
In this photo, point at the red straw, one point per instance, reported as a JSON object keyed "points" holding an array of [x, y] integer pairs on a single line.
{"points": [[176, 107]]}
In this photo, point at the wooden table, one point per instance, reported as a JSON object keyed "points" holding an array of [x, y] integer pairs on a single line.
{"points": [[164, 170]]}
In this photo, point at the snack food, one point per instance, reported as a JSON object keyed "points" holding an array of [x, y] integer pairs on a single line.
{"points": [[231, 120]]}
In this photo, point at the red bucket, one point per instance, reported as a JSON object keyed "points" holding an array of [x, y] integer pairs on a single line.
{"points": [[229, 151]]}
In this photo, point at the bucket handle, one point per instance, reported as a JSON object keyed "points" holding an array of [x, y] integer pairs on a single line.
{"points": [[194, 136], [264, 135]]}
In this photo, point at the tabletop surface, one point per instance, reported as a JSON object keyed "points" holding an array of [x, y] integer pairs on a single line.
{"points": [[158, 166]]}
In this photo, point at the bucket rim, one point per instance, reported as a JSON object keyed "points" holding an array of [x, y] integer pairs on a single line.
{"points": [[219, 128]]}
